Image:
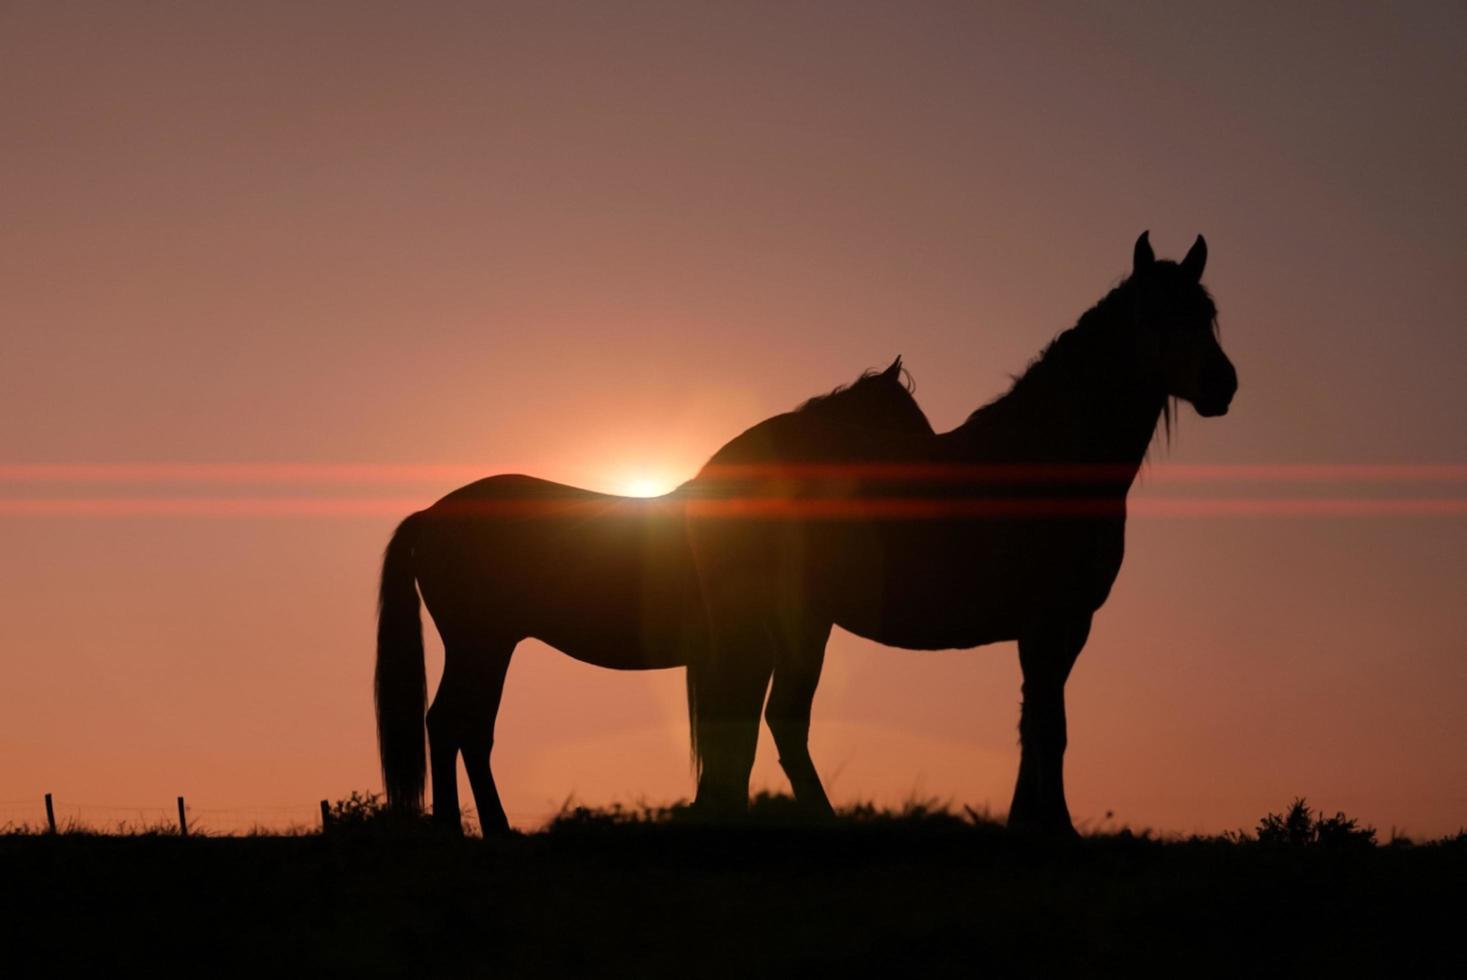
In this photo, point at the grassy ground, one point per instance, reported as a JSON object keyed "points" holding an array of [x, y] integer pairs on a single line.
{"points": [[923, 893]]}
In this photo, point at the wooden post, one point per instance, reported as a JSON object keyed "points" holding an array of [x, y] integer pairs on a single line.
{"points": [[325, 816], [50, 814], [182, 820]]}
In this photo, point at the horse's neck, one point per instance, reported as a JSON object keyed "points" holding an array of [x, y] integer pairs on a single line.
{"points": [[1081, 406]]}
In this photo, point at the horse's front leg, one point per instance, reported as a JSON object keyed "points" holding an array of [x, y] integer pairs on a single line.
{"points": [[1046, 654], [796, 675]]}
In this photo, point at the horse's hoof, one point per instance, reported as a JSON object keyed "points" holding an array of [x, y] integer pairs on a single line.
{"points": [[818, 813], [713, 811], [1057, 831]]}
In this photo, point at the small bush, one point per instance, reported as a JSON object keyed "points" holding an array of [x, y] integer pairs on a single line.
{"points": [[1342, 831], [366, 814], [1295, 827], [357, 810], [1301, 827]]}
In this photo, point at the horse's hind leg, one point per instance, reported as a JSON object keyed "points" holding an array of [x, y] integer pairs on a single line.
{"points": [[729, 690], [796, 675], [461, 720]]}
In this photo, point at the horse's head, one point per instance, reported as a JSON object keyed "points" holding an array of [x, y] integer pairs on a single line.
{"points": [[1176, 329]]}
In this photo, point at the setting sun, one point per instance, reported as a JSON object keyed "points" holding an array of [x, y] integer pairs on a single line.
{"points": [[644, 484]]}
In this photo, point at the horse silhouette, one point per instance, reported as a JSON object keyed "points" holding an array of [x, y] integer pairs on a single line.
{"points": [[608, 580], [850, 511]]}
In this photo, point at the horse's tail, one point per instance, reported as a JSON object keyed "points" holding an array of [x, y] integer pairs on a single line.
{"points": [[697, 670], [401, 682]]}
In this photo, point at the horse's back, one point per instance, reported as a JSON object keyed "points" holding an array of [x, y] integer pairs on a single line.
{"points": [[606, 579], [904, 538]]}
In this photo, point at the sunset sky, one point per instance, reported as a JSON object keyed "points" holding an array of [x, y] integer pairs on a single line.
{"points": [[272, 275]]}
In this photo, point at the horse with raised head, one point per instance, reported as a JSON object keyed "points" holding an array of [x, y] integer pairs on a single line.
{"points": [[608, 580], [1009, 527]]}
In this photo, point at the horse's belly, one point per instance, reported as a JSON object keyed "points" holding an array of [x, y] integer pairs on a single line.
{"points": [[937, 589], [625, 611], [619, 646], [937, 619]]}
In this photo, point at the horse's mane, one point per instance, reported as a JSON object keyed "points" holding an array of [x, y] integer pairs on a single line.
{"points": [[1072, 349], [833, 399], [1082, 349], [877, 400]]}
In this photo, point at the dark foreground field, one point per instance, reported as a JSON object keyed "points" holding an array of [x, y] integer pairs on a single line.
{"points": [[920, 894]]}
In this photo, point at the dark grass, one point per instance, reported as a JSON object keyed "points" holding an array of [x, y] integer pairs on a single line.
{"points": [[648, 893]]}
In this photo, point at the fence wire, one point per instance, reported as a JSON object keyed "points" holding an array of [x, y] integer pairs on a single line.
{"points": [[30, 816]]}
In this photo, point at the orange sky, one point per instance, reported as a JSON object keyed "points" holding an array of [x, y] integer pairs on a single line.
{"points": [[594, 241]]}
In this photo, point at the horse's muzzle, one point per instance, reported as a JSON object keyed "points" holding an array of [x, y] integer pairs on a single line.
{"points": [[1217, 391], [1212, 409]]}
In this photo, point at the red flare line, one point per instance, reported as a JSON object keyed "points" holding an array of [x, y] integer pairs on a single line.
{"points": [[454, 473], [766, 505], [828, 508]]}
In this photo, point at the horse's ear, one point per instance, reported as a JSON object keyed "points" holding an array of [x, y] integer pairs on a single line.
{"points": [[1196, 259], [895, 370], [1143, 256]]}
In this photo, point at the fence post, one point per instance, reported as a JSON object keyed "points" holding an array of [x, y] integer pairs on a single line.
{"points": [[182, 820], [325, 816], [50, 814]]}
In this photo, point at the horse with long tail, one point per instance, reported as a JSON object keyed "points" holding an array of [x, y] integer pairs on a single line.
{"points": [[1010, 527], [609, 580]]}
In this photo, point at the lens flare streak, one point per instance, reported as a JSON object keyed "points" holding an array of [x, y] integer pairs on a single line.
{"points": [[827, 508], [456, 473], [747, 492]]}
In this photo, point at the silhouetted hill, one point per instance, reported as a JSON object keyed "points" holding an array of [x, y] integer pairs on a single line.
{"points": [[615, 893]]}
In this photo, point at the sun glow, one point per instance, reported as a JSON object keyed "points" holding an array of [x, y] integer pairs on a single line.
{"points": [[644, 485]]}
